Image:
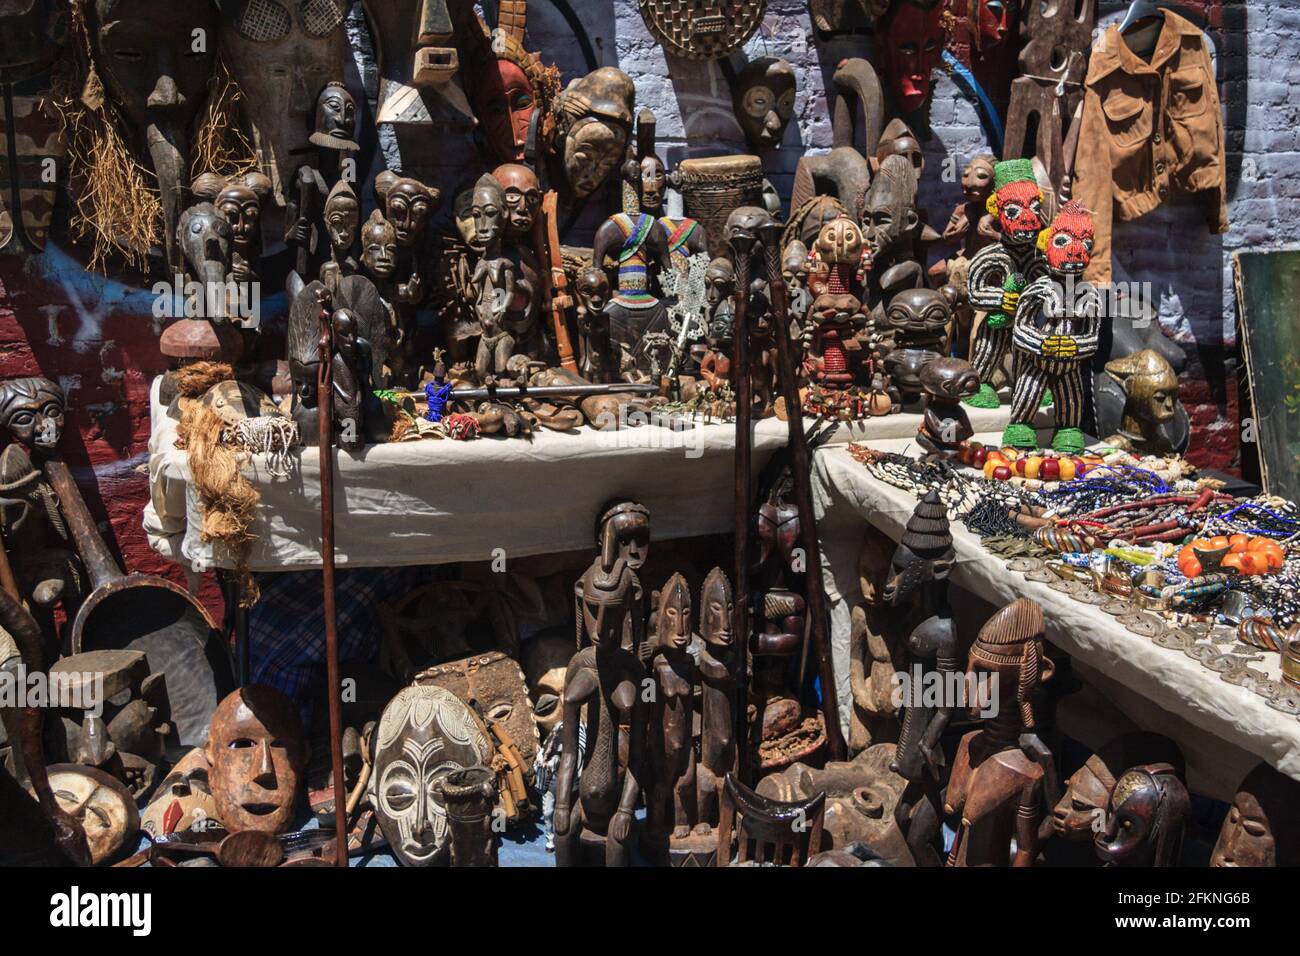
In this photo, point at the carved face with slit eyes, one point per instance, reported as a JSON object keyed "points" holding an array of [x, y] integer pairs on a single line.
{"points": [[100, 803], [31, 410], [257, 752], [425, 734]]}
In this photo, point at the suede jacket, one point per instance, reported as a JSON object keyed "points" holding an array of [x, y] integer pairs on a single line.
{"points": [[1151, 133]]}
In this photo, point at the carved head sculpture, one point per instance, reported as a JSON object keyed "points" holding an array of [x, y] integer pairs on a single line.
{"points": [[489, 209], [257, 751], [101, 805], [925, 552], [719, 282], [155, 62], [1150, 383], [31, 33], [990, 22], [1261, 828], [807, 221], [407, 205], [949, 379], [424, 734], [1067, 243], [1082, 807], [240, 203], [205, 240], [897, 139], [510, 86], [606, 598], [282, 55], [523, 197], [716, 611], [379, 246], [794, 264], [911, 39], [1017, 201], [763, 97], [31, 411], [890, 218], [919, 314], [183, 800], [545, 659], [1147, 815], [336, 118], [1010, 646], [342, 215], [595, 122], [840, 243], [592, 287], [623, 531], [673, 620], [650, 181], [977, 179]]}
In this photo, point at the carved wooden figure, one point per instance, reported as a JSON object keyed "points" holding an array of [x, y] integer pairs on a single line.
{"points": [[622, 533], [1082, 809], [893, 229], [912, 36], [1146, 818], [946, 425], [844, 173], [718, 664], [673, 744], [917, 322], [1002, 773], [257, 751], [1261, 828], [877, 650], [596, 363], [918, 582], [593, 126]]}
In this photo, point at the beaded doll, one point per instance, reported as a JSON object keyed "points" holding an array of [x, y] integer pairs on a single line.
{"points": [[1055, 334], [998, 272]]}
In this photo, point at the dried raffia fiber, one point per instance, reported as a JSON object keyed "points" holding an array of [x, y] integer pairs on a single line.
{"points": [[194, 379], [226, 497]]}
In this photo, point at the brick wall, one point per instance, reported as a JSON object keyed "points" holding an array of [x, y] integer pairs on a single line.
{"points": [[99, 339]]}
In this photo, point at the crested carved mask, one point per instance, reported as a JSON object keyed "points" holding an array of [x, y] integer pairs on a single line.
{"points": [[596, 112], [764, 101], [257, 753], [31, 411], [425, 734], [911, 47]]}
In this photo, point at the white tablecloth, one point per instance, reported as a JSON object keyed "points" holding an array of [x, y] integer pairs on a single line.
{"points": [[1223, 729]]}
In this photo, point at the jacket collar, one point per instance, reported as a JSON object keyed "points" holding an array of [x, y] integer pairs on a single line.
{"points": [[1112, 53]]}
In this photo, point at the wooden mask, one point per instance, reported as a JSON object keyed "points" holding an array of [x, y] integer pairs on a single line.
{"points": [[596, 113], [911, 46], [523, 196], [890, 215], [1261, 828], [257, 753], [424, 734], [408, 204], [282, 55], [31, 411], [183, 801], [504, 102], [379, 247], [1148, 814], [763, 98], [1087, 791], [336, 119], [101, 804], [342, 213]]}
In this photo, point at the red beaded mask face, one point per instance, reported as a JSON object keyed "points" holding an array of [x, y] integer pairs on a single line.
{"points": [[1020, 211], [912, 46], [1069, 241], [504, 103]]}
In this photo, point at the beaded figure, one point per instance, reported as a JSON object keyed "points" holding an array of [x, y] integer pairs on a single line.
{"points": [[1055, 334], [998, 272]]}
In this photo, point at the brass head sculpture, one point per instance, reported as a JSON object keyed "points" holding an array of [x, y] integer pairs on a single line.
{"points": [[1151, 390]]}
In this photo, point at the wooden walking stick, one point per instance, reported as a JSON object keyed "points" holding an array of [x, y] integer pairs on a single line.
{"points": [[742, 248], [325, 408], [801, 470]]}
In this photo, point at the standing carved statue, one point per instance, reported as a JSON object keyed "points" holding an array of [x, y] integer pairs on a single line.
{"points": [[257, 752], [240, 201], [523, 246], [946, 425], [205, 240], [971, 227], [605, 679], [718, 667], [493, 280], [892, 228], [146, 57], [357, 416], [1002, 773], [1260, 828], [640, 246], [1055, 334], [877, 650], [672, 750], [314, 183], [999, 272], [763, 97], [844, 173], [918, 583], [407, 205], [342, 218], [596, 362], [835, 362], [1146, 818], [1081, 811], [1151, 388], [622, 533]]}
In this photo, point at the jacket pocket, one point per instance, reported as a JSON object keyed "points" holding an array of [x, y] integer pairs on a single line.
{"points": [[1187, 97], [1128, 117]]}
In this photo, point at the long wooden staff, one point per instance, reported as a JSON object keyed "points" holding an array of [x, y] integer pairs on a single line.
{"points": [[742, 248], [325, 409], [801, 469], [546, 237]]}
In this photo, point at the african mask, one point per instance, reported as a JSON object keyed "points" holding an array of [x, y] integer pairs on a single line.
{"points": [[1081, 811], [407, 205], [425, 733], [336, 118], [342, 212], [489, 211], [719, 282], [1261, 828], [31, 411], [702, 29], [623, 531], [918, 315], [1068, 242], [240, 203], [545, 661], [100, 803], [155, 61], [504, 103], [379, 246], [897, 139], [1147, 816], [763, 98], [977, 179], [593, 289], [1017, 201], [840, 242], [595, 123], [911, 46], [523, 197], [990, 20], [890, 218], [281, 55], [183, 801], [257, 753]]}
